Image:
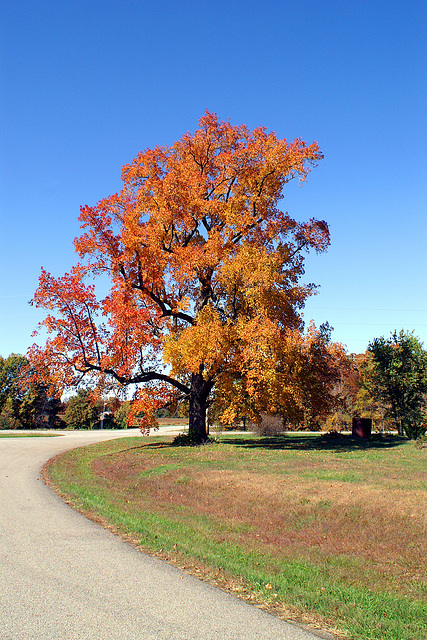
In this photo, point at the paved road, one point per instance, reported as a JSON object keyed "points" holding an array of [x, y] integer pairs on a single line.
{"points": [[64, 577]]}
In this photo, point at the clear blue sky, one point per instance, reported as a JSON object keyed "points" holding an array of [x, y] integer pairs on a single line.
{"points": [[86, 84]]}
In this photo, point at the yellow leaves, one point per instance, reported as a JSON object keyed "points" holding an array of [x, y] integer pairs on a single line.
{"points": [[206, 345], [255, 283], [250, 267], [282, 371]]}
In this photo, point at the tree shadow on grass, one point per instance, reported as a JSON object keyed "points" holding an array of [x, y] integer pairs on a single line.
{"points": [[320, 442], [294, 442], [143, 445]]}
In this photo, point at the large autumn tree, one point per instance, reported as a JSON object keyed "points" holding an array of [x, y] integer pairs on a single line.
{"points": [[205, 272]]}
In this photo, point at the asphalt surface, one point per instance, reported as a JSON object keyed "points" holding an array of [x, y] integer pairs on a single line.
{"points": [[63, 577]]}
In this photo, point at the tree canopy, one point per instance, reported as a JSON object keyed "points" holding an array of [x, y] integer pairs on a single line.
{"points": [[399, 379], [205, 270]]}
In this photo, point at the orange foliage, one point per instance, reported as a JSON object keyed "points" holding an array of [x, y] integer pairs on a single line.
{"points": [[284, 372], [205, 272]]}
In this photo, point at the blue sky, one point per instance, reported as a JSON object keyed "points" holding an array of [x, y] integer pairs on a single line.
{"points": [[86, 84]]}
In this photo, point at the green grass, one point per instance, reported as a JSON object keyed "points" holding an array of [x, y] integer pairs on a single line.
{"points": [[28, 435], [276, 520]]}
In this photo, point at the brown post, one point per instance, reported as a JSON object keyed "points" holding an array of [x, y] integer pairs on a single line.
{"points": [[362, 427]]}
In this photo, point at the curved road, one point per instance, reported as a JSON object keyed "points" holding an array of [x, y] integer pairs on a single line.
{"points": [[64, 577]]}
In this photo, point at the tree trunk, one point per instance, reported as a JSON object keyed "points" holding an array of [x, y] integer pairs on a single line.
{"points": [[197, 427]]}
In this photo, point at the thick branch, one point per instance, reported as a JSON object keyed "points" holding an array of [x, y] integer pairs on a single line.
{"points": [[146, 376], [93, 331], [162, 304]]}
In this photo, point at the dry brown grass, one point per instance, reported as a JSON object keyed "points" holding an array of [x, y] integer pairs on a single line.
{"points": [[291, 504]]}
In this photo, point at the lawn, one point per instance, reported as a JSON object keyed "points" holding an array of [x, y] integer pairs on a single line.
{"points": [[329, 532]]}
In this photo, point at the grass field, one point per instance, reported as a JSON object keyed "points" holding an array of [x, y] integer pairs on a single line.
{"points": [[329, 532]]}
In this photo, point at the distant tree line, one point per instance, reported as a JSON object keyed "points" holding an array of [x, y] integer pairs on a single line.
{"points": [[23, 403]]}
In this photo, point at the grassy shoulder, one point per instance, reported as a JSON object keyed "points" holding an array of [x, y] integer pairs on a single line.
{"points": [[32, 434], [328, 532]]}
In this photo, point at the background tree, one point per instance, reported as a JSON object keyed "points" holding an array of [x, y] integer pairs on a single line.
{"points": [[24, 402], [399, 379], [366, 403], [81, 411], [121, 415], [345, 391], [11, 374], [355, 395], [291, 374], [323, 364], [202, 263]]}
